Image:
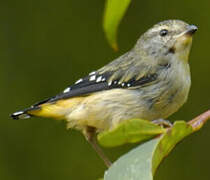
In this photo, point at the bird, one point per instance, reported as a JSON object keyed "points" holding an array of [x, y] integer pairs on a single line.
{"points": [[151, 81]]}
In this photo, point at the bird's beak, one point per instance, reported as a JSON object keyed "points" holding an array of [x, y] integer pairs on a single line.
{"points": [[187, 34], [191, 30]]}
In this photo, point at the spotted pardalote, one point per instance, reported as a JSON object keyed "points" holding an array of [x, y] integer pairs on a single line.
{"points": [[150, 81]]}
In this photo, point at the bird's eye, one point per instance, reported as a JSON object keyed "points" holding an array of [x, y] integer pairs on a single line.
{"points": [[163, 32]]}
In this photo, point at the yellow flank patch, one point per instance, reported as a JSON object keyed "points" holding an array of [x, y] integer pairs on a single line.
{"points": [[57, 109]]}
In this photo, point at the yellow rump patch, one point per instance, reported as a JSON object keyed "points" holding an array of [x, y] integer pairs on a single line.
{"points": [[57, 109]]}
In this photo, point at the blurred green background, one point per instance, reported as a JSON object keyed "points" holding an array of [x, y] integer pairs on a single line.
{"points": [[46, 45]]}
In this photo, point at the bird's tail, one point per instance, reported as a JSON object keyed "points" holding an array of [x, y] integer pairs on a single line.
{"points": [[56, 110], [24, 114], [47, 110]]}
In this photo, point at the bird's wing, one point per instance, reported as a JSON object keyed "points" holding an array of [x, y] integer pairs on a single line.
{"points": [[99, 82], [117, 74], [122, 73]]}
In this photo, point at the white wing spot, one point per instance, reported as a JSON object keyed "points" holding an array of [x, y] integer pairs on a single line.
{"points": [[67, 90], [93, 78], [110, 83], [18, 113], [80, 80], [123, 84], [92, 73], [128, 85], [99, 79], [115, 82], [104, 79]]}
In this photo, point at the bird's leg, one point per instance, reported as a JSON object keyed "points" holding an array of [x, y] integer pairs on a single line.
{"points": [[163, 123], [89, 134]]}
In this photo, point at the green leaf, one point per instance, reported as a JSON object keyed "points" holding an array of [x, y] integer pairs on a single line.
{"points": [[168, 141], [130, 131], [142, 162], [113, 14]]}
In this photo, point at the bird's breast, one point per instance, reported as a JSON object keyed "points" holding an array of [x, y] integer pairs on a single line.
{"points": [[172, 90]]}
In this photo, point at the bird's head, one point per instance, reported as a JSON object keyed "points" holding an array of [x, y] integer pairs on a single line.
{"points": [[167, 38]]}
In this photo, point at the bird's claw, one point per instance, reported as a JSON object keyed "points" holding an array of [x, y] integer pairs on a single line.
{"points": [[163, 123]]}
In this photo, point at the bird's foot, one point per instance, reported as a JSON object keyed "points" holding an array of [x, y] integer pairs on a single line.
{"points": [[163, 123]]}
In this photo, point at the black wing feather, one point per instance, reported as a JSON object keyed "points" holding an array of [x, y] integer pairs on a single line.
{"points": [[87, 86]]}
